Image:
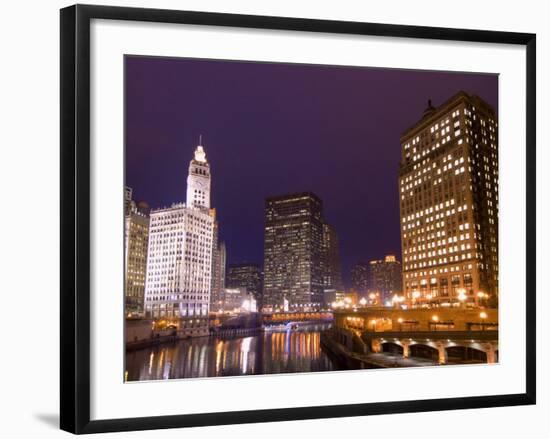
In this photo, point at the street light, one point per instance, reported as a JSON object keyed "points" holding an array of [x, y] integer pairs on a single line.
{"points": [[415, 296], [400, 321], [481, 296], [482, 316], [435, 319], [372, 299], [363, 301], [462, 296]]}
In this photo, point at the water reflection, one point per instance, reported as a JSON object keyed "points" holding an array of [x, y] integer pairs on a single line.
{"points": [[264, 353]]}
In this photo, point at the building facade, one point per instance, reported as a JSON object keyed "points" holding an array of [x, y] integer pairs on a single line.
{"points": [[359, 278], [238, 300], [248, 276], [219, 264], [128, 200], [385, 278], [293, 271], [136, 237], [448, 190], [332, 268], [179, 263]]}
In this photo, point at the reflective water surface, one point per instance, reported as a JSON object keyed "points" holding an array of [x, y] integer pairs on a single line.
{"points": [[262, 353]]}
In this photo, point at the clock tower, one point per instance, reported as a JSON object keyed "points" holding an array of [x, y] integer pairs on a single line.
{"points": [[198, 180]]}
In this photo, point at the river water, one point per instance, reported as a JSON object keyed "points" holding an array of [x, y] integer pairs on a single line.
{"points": [[281, 351]]}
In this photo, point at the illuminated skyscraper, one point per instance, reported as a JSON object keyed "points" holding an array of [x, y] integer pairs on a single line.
{"points": [[332, 269], [448, 190], [385, 278], [359, 278], [128, 201], [248, 276], [136, 236], [179, 263], [293, 269], [218, 269]]}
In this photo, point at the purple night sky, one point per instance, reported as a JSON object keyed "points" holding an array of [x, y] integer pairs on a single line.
{"points": [[270, 129]]}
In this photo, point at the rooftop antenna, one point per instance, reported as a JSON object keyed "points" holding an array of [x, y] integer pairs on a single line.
{"points": [[200, 139]]}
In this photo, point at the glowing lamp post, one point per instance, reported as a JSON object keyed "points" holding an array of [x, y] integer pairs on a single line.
{"points": [[435, 319], [415, 296], [399, 301], [372, 298], [400, 321], [481, 296], [363, 302], [373, 323], [462, 296], [482, 316]]}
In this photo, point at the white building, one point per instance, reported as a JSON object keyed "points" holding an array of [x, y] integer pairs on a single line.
{"points": [[179, 262]]}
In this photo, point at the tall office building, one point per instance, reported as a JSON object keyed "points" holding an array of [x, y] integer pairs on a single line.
{"points": [[448, 184], [359, 278], [218, 269], [293, 272], [247, 276], [385, 278], [136, 236], [332, 269], [179, 263], [128, 200]]}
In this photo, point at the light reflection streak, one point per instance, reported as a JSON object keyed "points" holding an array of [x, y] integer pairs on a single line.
{"points": [[263, 353], [245, 348]]}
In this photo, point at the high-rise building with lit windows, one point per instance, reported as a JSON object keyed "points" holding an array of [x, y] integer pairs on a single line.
{"points": [[293, 268], [136, 236], [128, 200], [448, 192], [248, 276], [385, 278], [179, 262], [332, 268], [219, 257], [359, 278]]}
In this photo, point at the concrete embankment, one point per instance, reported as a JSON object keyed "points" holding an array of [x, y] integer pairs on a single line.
{"points": [[345, 358], [153, 341], [351, 359], [235, 332]]}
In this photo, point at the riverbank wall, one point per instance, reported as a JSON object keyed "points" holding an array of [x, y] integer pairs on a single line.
{"points": [[348, 350]]}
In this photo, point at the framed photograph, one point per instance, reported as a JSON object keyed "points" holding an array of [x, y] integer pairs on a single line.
{"points": [[268, 218]]}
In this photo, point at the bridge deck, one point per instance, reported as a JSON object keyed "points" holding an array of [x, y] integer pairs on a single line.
{"points": [[488, 335]]}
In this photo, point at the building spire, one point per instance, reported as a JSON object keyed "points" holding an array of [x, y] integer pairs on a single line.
{"points": [[200, 155], [429, 109]]}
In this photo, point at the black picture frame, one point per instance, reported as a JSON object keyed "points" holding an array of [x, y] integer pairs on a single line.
{"points": [[75, 217]]}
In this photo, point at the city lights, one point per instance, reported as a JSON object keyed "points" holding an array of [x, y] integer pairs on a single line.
{"points": [[292, 303]]}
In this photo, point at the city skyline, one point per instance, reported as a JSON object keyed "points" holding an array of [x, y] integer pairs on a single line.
{"points": [[170, 102], [290, 312]]}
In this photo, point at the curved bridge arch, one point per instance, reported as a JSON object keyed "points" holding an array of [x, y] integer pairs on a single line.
{"points": [[465, 354], [424, 350], [392, 347]]}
